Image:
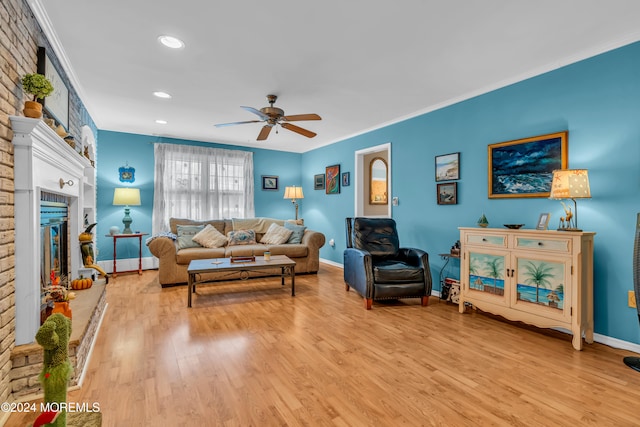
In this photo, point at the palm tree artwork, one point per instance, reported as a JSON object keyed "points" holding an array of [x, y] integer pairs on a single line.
{"points": [[485, 266], [543, 275], [494, 270]]}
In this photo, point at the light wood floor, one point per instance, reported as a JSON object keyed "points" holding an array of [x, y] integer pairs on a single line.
{"points": [[248, 354]]}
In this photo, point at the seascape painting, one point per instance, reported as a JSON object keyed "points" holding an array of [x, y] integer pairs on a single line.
{"points": [[541, 282], [524, 168], [448, 167], [486, 273]]}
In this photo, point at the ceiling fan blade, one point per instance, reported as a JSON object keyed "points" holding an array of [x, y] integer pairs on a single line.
{"points": [[298, 129], [259, 113], [264, 133], [298, 117], [221, 125]]}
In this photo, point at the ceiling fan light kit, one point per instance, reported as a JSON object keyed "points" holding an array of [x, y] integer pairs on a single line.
{"points": [[274, 116]]}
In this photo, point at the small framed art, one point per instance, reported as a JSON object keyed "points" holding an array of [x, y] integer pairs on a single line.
{"points": [[346, 179], [448, 167], [543, 221], [318, 182], [447, 193], [269, 182], [127, 174]]}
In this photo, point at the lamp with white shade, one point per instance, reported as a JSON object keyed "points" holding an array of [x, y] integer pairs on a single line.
{"points": [[294, 193], [126, 197]]}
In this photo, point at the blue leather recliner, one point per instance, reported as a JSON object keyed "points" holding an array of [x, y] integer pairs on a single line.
{"points": [[378, 268]]}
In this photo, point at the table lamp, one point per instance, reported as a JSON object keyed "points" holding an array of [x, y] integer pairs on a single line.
{"points": [[294, 193], [570, 184], [126, 197]]}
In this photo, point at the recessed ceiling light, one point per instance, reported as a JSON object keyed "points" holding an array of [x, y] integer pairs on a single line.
{"points": [[161, 94], [161, 122], [171, 42]]}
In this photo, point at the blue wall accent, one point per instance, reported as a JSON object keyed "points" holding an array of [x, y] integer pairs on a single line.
{"points": [[117, 149], [597, 100]]}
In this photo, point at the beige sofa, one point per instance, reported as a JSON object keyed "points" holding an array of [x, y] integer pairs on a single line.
{"points": [[173, 263]]}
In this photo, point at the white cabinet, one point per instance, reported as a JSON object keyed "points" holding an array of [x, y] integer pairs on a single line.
{"points": [[543, 278]]}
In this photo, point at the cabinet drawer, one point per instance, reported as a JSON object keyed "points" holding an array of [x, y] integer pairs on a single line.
{"points": [[555, 245], [499, 240]]}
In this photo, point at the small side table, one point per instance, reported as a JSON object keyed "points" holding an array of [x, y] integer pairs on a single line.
{"points": [[127, 236], [444, 288]]}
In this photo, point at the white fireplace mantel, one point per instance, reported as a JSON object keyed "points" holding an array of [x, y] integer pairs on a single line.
{"points": [[41, 160]]}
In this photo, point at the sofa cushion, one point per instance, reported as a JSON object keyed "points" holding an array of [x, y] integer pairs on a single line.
{"points": [[297, 232], [185, 235], [290, 250], [209, 237], [185, 256], [276, 234], [242, 237], [222, 225], [394, 271]]}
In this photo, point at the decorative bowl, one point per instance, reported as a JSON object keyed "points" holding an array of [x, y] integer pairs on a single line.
{"points": [[514, 226]]}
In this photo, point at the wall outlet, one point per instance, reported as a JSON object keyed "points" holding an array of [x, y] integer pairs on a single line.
{"points": [[632, 299]]}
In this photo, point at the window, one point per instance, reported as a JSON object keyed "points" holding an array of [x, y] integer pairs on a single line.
{"points": [[201, 183]]}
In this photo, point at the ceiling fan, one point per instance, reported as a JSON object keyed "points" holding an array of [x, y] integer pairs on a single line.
{"points": [[275, 116]]}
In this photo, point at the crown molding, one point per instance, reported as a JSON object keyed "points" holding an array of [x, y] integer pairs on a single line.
{"points": [[42, 17]]}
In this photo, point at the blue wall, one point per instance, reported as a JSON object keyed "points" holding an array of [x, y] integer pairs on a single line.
{"points": [[597, 100], [118, 149]]}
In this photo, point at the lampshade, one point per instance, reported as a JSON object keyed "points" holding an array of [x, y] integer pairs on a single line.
{"points": [[126, 197], [570, 184], [293, 192]]}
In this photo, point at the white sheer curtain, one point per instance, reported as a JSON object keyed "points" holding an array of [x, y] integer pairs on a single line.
{"points": [[201, 183]]}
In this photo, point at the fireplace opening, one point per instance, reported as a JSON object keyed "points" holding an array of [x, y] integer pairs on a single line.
{"points": [[54, 238]]}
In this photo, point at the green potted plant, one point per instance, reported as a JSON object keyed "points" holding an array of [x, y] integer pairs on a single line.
{"points": [[38, 86]]}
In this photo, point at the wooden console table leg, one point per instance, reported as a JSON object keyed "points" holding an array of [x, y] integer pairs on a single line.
{"points": [[190, 286]]}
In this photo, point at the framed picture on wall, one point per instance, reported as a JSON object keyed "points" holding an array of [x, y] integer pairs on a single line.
{"points": [[332, 179], [318, 182], [346, 179], [448, 167], [524, 167], [55, 105], [127, 174], [269, 182], [447, 193]]}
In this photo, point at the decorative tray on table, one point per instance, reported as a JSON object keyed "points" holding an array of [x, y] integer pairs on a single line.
{"points": [[514, 226], [243, 258]]}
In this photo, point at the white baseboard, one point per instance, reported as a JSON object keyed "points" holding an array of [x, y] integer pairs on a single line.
{"points": [[129, 264], [333, 263], [602, 339]]}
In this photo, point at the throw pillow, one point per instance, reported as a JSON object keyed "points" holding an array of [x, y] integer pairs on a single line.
{"points": [[209, 237], [276, 235], [242, 237], [297, 232], [185, 235]]}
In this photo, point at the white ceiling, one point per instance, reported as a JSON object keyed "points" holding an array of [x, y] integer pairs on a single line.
{"points": [[359, 64]]}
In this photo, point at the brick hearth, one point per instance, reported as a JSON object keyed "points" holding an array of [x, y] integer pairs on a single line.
{"points": [[87, 311]]}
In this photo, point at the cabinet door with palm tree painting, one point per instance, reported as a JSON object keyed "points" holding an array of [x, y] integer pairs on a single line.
{"points": [[485, 276], [543, 287]]}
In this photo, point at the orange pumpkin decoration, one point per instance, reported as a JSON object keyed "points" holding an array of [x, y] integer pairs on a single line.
{"points": [[81, 283]]}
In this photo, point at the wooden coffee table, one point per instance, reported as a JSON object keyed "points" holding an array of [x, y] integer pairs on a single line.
{"points": [[202, 266]]}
